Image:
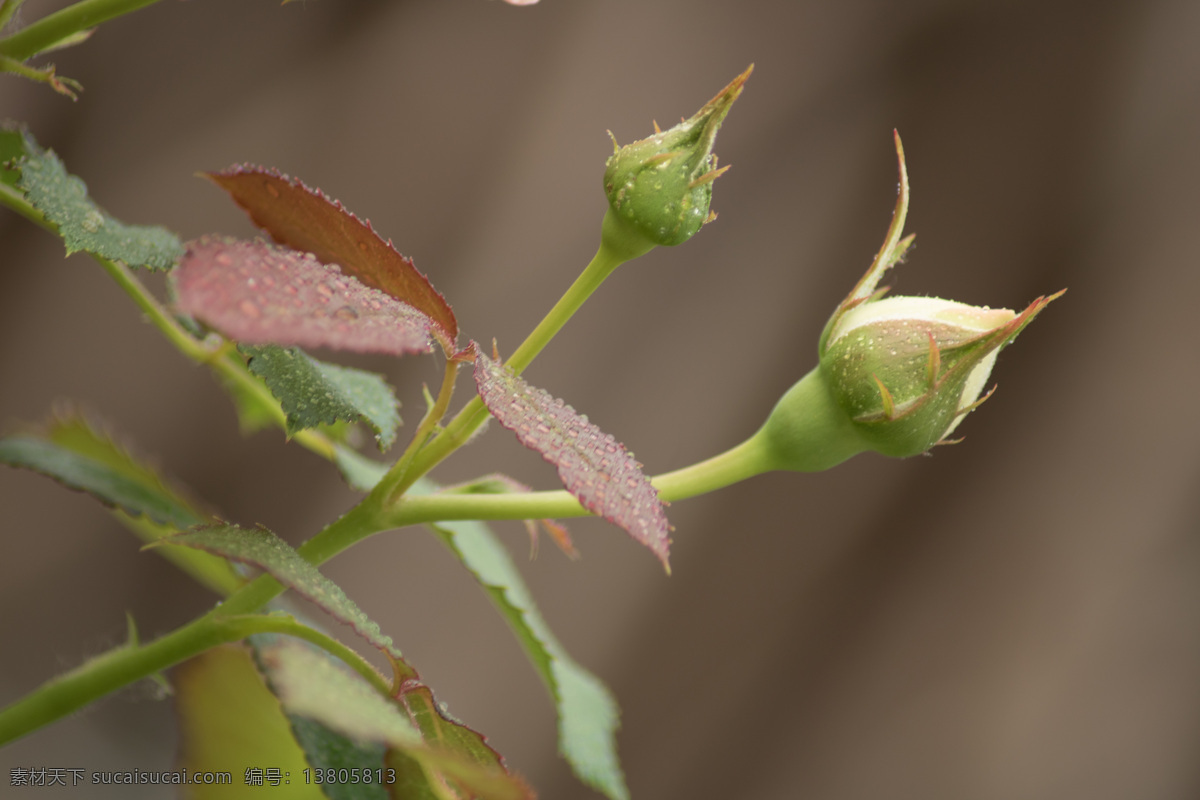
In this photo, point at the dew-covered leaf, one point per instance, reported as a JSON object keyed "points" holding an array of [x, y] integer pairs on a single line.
{"points": [[592, 465], [261, 548], [205, 568], [83, 225], [112, 477], [588, 717], [257, 293], [313, 392], [489, 776], [305, 219], [314, 687], [230, 722], [79, 456]]}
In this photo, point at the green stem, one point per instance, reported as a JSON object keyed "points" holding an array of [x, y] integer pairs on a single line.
{"points": [[105, 674], [53, 28], [734, 465], [397, 480], [725, 469], [124, 665], [600, 267], [46, 75]]}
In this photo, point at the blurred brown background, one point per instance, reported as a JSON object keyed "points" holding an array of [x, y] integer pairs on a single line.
{"points": [[1015, 617]]}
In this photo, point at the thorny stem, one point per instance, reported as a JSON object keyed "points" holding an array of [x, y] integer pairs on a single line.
{"points": [[119, 667], [399, 478]]}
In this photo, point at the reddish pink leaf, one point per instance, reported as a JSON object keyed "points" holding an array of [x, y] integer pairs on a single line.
{"points": [[592, 465], [258, 293], [304, 219]]}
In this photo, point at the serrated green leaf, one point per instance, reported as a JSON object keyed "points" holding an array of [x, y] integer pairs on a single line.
{"points": [[338, 722], [109, 485], [230, 722], [489, 778], [588, 716], [313, 393], [83, 225], [71, 452], [209, 570], [262, 548], [311, 686]]}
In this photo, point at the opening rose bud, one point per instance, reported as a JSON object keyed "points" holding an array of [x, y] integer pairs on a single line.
{"points": [[896, 375], [905, 370]]}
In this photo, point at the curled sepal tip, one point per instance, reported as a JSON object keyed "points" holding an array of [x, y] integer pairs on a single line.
{"points": [[890, 252]]}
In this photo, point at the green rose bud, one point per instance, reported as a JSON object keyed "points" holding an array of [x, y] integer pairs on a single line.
{"points": [[659, 188], [896, 375]]}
